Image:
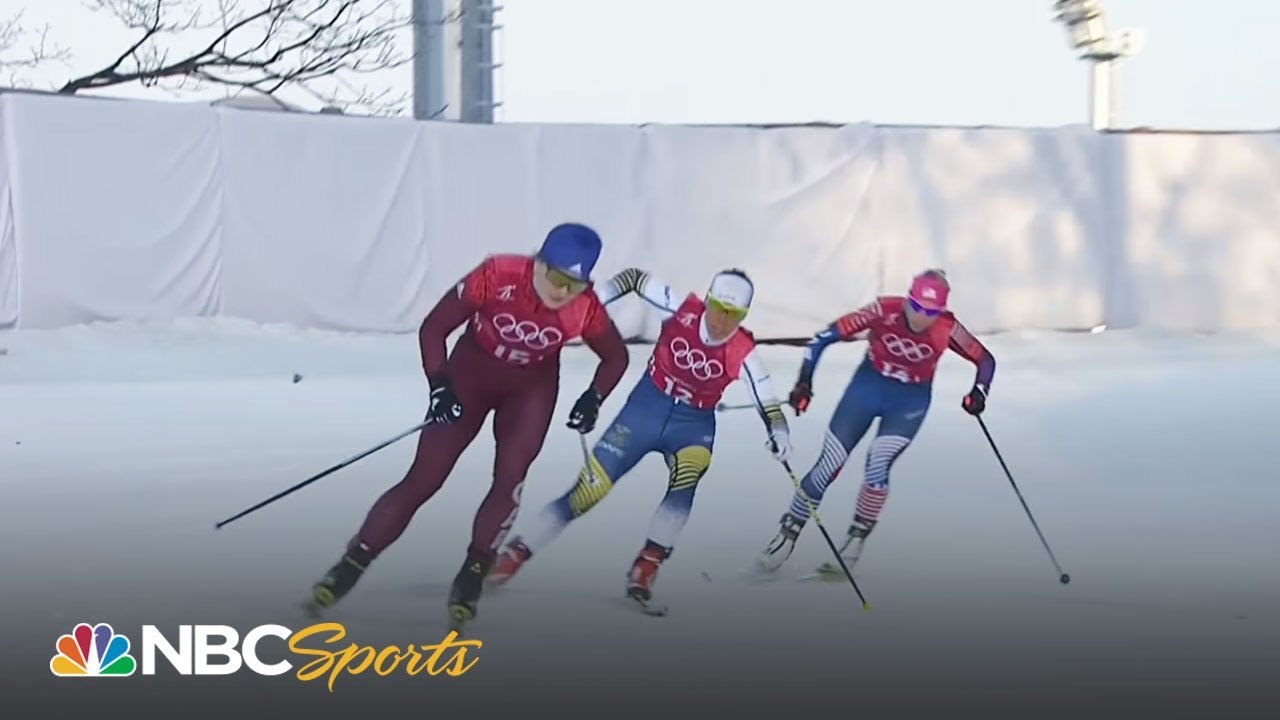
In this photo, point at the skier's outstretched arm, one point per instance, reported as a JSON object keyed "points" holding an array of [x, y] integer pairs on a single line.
{"points": [[649, 288], [767, 404], [850, 326], [963, 343]]}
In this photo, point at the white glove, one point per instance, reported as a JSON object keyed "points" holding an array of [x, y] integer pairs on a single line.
{"points": [[780, 445]]}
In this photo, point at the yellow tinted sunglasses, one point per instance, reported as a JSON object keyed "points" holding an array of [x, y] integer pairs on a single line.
{"points": [[565, 281], [733, 311]]}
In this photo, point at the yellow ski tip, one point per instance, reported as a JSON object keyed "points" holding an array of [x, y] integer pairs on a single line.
{"points": [[866, 607]]}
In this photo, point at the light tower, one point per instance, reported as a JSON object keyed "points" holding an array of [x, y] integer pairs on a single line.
{"points": [[478, 65], [1087, 34], [454, 64], [435, 60]]}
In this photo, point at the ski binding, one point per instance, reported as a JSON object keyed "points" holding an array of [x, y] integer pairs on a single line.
{"points": [[648, 607]]}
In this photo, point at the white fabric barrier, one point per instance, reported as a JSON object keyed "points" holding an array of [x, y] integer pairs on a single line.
{"points": [[115, 207], [324, 221], [1201, 231], [1014, 217], [8, 246], [680, 202], [783, 204], [134, 210]]}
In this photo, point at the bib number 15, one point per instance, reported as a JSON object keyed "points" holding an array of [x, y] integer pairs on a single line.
{"points": [[515, 356]]}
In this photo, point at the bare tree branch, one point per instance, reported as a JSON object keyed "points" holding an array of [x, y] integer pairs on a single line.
{"points": [[259, 45], [22, 49]]}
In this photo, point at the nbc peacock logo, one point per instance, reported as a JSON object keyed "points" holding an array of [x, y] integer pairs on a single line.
{"points": [[93, 651]]}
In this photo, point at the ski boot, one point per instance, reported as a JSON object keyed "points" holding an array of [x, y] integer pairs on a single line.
{"points": [[779, 549], [851, 550], [509, 562], [465, 594], [341, 578], [642, 575]]}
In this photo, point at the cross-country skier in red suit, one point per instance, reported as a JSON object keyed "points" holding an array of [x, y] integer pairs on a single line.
{"points": [[519, 312], [906, 338]]}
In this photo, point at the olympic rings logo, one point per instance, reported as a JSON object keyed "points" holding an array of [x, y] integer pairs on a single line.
{"points": [[526, 331], [907, 348], [695, 361]]}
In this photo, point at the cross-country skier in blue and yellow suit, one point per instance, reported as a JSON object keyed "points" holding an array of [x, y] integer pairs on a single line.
{"points": [[701, 350]]}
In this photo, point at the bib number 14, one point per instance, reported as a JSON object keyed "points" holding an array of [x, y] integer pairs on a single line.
{"points": [[897, 372]]}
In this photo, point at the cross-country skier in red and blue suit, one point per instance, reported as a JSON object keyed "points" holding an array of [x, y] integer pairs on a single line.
{"points": [[701, 350], [519, 312], [906, 337]]}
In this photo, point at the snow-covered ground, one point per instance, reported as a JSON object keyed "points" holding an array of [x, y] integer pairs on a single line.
{"points": [[1149, 461]]}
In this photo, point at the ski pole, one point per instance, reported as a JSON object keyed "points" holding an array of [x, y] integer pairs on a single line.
{"points": [[1062, 577], [722, 406], [813, 513], [586, 454], [314, 478]]}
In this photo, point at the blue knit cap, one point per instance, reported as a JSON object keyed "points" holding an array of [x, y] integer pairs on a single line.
{"points": [[572, 249]]}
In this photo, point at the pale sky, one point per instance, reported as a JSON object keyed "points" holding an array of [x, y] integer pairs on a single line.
{"points": [[1205, 65]]}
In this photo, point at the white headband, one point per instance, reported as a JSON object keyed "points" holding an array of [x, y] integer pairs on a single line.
{"points": [[732, 289]]}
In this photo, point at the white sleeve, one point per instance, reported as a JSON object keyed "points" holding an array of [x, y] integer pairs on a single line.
{"points": [[758, 381], [612, 289], [651, 290], [659, 295]]}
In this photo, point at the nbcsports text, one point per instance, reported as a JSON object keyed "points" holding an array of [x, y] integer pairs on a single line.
{"points": [[97, 650]]}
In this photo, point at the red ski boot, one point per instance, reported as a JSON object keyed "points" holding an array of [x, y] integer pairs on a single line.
{"points": [[643, 573], [509, 562]]}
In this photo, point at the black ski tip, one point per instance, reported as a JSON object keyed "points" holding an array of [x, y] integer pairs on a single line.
{"points": [[311, 609]]}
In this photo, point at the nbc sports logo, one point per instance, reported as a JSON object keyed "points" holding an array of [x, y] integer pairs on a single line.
{"points": [[98, 651], [92, 651]]}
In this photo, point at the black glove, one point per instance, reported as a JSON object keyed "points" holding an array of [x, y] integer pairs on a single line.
{"points": [[445, 407], [800, 396], [976, 401], [585, 412]]}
